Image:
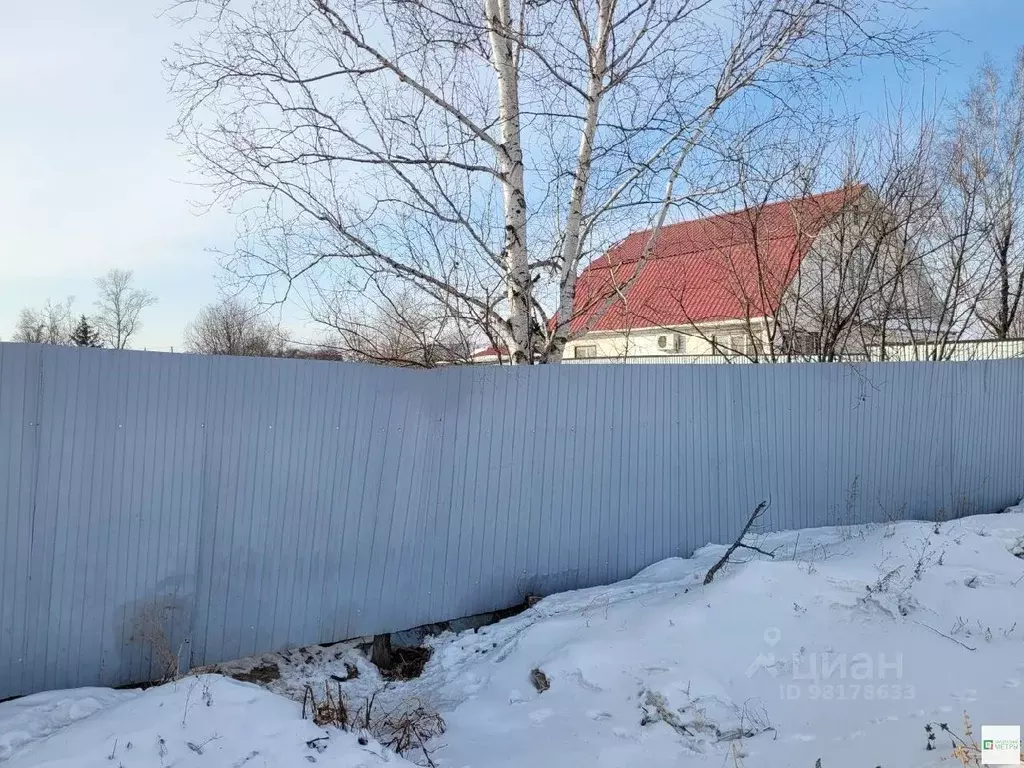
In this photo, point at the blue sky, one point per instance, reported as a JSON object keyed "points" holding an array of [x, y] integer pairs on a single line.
{"points": [[972, 29], [91, 182]]}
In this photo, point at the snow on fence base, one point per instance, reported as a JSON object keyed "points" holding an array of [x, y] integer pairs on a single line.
{"points": [[161, 511]]}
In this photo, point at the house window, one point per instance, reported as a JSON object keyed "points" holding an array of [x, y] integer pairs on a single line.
{"points": [[738, 345], [801, 343], [585, 350]]}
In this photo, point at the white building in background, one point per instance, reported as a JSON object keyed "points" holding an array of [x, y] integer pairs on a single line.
{"points": [[966, 350], [742, 287]]}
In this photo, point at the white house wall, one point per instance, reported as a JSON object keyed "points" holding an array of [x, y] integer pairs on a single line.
{"points": [[643, 342]]}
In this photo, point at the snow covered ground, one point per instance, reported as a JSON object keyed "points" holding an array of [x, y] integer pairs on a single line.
{"points": [[206, 720], [33, 718], [842, 647]]}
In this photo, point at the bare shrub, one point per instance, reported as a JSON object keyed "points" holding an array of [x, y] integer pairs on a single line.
{"points": [[846, 520], [925, 557], [231, 327], [330, 710], [885, 581], [149, 630], [406, 728]]}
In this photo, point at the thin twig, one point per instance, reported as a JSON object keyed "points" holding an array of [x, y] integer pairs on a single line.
{"points": [[758, 549], [423, 749], [943, 634], [308, 694]]}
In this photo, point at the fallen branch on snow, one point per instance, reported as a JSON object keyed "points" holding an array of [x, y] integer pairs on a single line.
{"points": [[738, 544], [948, 637]]}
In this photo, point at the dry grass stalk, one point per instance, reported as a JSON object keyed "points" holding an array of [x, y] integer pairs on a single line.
{"points": [[330, 710], [148, 631], [408, 728]]}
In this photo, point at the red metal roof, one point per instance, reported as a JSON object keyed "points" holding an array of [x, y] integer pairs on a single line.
{"points": [[705, 269]]}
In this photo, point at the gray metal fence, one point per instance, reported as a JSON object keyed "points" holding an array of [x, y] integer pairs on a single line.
{"points": [[244, 505]]}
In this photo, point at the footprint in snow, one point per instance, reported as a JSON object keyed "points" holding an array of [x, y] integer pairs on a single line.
{"points": [[886, 719], [577, 675], [1011, 683], [969, 695], [942, 710], [596, 714], [803, 737], [473, 683], [916, 713], [540, 715]]}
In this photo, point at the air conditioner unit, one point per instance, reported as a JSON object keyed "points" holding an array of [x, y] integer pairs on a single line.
{"points": [[669, 342]]}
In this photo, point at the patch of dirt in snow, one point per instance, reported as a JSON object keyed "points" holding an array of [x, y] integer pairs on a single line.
{"points": [[407, 663], [448, 678], [261, 673]]}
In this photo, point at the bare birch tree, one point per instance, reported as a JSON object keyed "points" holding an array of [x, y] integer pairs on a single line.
{"points": [[119, 307], [989, 135], [53, 324], [948, 239], [32, 328], [481, 151]]}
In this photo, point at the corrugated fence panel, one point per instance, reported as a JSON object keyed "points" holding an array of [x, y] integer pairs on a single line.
{"points": [[171, 510], [19, 406], [112, 555]]}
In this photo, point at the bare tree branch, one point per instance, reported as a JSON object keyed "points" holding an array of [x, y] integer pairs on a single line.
{"points": [[232, 328], [482, 152], [758, 511], [119, 307]]}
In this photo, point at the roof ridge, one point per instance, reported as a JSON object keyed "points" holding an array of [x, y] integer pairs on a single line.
{"points": [[764, 206], [626, 261]]}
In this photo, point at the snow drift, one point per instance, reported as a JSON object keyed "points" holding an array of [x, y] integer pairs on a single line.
{"points": [[842, 646]]}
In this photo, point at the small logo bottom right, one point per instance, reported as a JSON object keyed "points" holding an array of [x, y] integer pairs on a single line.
{"points": [[1000, 745]]}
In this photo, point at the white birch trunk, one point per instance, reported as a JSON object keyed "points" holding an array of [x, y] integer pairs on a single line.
{"points": [[510, 162], [570, 257]]}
